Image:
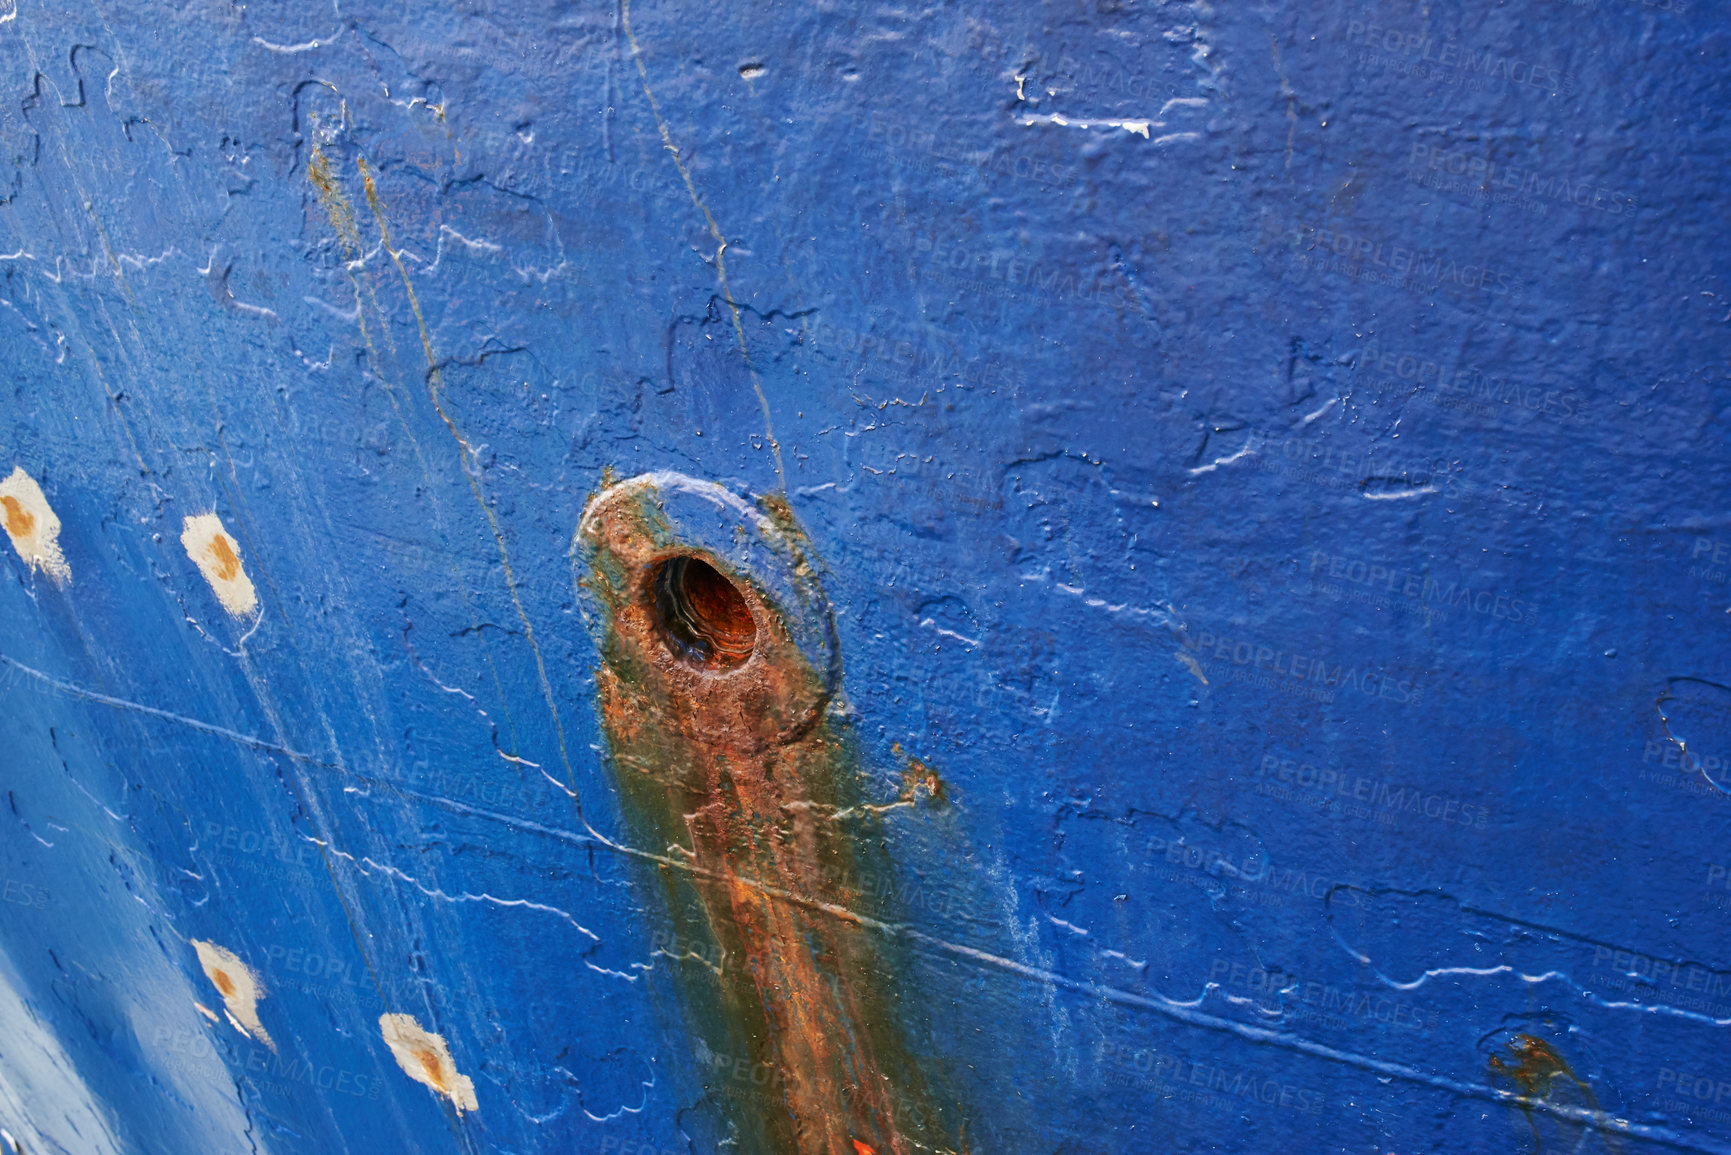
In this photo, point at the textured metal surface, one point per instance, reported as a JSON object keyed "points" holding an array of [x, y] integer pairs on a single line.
{"points": [[1236, 494]]}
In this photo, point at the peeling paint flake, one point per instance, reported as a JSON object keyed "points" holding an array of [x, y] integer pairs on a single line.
{"points": [[32, 526], [238, 986], [425, 1058], [217, 556]]}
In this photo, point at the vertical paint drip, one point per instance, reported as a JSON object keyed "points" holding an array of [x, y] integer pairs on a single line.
{"points": [[713, 695]]}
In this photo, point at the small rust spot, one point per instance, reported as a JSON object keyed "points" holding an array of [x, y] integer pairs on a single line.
{"points": [[212, 549], [426, 1059], [918, 778], [435, 1073], [1535, 1063], [1542, 1076], [19, 521], [227, 564], [32, 527], [238, 986]]}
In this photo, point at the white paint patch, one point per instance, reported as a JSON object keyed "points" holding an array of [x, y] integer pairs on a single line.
{"points": [[32, 526], [426, 1059], [217, 556], [238, 986], [1139, 127], [1142, 128]]}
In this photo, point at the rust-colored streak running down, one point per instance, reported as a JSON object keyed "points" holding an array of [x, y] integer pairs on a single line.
{"points": [[713, 696]]}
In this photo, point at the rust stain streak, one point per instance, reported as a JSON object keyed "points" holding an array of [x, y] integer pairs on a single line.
{"points": [[716, 722], [435, 387]]}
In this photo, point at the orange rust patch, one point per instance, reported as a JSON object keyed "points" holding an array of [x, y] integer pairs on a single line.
{"points": [[227, 564], [19, 521], [336, 205], [435, 1070], [1535, 1065], [864, 1148], [224, 984]]}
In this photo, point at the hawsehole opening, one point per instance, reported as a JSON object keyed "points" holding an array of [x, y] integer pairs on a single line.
{"points": [[702, 614]]}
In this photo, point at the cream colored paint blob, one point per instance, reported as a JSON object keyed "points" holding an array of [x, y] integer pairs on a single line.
{"points": [[426, 1059], [238, 986], [217, 556], [32, 526]]}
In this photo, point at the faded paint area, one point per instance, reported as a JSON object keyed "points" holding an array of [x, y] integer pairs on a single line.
{"points": [[716, 727], [32, 526], [239, 987], [425, 1058], [217, 556]]}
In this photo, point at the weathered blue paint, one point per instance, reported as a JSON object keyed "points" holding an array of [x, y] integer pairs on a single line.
{"points": [[1267, 462]]}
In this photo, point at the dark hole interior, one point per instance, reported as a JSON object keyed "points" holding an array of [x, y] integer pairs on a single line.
{"points": [[705, 619]]}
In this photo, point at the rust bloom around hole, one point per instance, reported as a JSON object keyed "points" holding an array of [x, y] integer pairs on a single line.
{"points": [[702, 614]]}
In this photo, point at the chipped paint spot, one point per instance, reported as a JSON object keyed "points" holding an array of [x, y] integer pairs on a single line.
{"points": [[32, 526], [426, 1059], [238, 986], [1194, 666], [217, 556]]}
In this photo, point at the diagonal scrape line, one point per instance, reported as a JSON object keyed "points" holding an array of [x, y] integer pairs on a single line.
{"points": [[73, 690], [435, 387], [1185, 1012]]}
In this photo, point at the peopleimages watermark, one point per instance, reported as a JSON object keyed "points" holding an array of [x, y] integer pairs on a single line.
{"points": [[1417, 55], [1423, 588], [1683, 985], [1257, 875], [1203, 1083], [1276, 667], [190, 1050], [1697, 1096], [1320, 1001], [1461, 170], [1717, 566], [1294, 779], [914, 359], [1404, 265], [1668, 755], [22, 893], [1464, 387], [1015, 275]]}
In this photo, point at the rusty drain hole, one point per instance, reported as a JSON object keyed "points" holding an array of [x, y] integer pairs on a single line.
{"points": [[703, 614]]}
